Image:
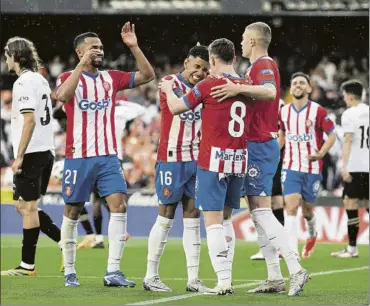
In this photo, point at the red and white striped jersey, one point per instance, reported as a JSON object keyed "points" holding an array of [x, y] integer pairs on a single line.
{"points": [[304, 133], [90, 113], [225, 127], [180, 134]]}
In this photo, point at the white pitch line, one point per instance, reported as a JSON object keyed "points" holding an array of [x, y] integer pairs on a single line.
{"points": [[163, 278], [186, 296]]}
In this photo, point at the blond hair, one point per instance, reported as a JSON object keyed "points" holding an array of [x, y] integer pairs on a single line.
{"points": [[263, 30]]}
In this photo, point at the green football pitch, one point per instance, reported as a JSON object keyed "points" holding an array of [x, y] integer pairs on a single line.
{"points": [[334, 281]]}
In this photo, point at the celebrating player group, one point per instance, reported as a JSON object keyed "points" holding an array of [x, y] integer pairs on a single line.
{"points": [[221, 140]]}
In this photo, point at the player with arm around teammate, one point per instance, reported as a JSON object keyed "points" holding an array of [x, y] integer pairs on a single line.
{"points": [[176, 173], [302, 127], [222, 161], [91, 146], [263, 158]]}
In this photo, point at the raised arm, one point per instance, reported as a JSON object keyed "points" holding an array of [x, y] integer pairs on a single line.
{"points": [[146, 72]]}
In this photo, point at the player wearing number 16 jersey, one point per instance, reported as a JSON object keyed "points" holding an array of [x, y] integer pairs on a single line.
{"points": [[175, 175], [222, 161], [91, 149]]}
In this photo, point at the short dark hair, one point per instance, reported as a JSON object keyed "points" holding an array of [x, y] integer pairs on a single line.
{"points": [[300, 74], [81, 38], [24, 53], [353, 87], [199, 51], [223, 49]]}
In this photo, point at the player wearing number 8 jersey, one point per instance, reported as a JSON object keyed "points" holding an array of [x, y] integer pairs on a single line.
{"points": [[355, 168], [222, 160], [263, 156], [91, 146], [175, 175]]}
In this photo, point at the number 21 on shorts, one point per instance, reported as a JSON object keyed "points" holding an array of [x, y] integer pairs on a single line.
{"points": [[70, 175], [166, 177]]}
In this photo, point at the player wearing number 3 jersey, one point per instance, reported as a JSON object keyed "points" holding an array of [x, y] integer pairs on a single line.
{"points": [[91, 146], [222, 160]]}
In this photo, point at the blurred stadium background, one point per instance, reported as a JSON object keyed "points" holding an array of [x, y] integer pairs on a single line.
{"points": [[326, 38]]}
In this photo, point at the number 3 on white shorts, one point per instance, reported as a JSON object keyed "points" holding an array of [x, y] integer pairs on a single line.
{"points": [[68, 174], [237, 118], [166, 177]]}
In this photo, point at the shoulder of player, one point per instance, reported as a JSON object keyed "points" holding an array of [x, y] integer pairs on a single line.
{"points": [[264, 63]]}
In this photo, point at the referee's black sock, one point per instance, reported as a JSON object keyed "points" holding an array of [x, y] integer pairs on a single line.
{"points": [[84, 219], [97, 224], [279, 214], [48, 227], [353, 225], [29, 243], [367, 210]]}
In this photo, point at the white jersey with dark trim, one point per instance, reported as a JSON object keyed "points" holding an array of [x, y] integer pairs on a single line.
{"points": [[31, 94]]}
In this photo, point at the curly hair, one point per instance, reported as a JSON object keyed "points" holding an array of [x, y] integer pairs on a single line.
{"points": [[24, 53]]}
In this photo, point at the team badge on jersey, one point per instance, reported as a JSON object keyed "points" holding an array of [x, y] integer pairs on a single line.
{"points": [[308, 123], [106, 86], [253, 171], [68, 191], [166, 192]]}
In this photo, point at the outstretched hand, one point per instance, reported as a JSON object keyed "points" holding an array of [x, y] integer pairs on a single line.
{"points": [[225, 91], [128, 35]]}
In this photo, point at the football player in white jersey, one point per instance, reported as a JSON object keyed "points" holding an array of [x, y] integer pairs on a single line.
{"points": [[32, 139], [355, 167]]}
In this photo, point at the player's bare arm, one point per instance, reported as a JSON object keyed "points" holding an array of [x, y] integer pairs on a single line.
{"points": [[281, 139], [28, 128], [66, 91], [325, 148], [347, 147], [146, 72], [265, 92], [175, 104]]}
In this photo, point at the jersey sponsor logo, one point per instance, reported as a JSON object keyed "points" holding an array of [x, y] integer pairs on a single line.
{"points": [[253, 171], [233, 156], [300, 138], [190, 116], [22, 98], [86, 105], [267, 72], [106, 86], [308, 123]]}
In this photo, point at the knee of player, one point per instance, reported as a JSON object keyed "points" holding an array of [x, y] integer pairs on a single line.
{"points": [[291, 208], [27, 208], [73, 211]]}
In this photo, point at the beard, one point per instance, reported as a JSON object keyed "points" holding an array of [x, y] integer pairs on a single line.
{"points": [[11, 71], [96, 63], [300, 96]]}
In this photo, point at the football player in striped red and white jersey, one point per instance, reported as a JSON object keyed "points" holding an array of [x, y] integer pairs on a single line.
{"points": [[91, 146], [175, 174], [302, 127]]}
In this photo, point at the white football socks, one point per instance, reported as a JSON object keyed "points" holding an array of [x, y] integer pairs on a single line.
{"points": [[191, 244], [68, 233], [156, 244], [277, 236], [230, 240], [218, 252], [270, 253], [311, 226], [117, 236], [291, 224]]}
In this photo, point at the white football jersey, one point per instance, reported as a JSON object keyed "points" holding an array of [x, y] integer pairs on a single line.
{"points": [[31, 93], [355, 121]]}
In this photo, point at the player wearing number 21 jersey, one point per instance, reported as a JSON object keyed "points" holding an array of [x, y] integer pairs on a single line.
{"points": [[222, 160]]}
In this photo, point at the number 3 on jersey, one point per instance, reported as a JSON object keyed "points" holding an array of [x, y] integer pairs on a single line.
{"points": [[67, 177], [166, 177], [46, 120], [237, 118]]}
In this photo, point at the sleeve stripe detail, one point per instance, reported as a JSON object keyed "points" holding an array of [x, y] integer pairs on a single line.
{"points": [[132, 78], [330, 131], [187, 103], [268, 82], [27, 110]]}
